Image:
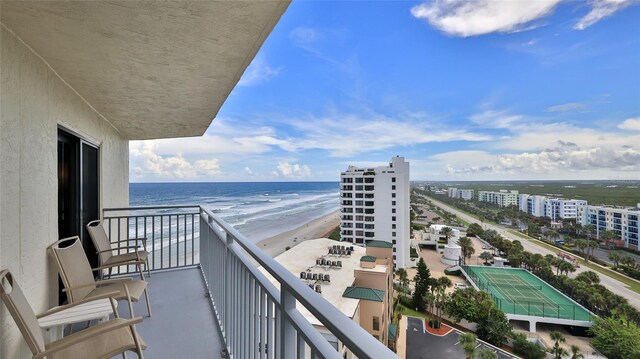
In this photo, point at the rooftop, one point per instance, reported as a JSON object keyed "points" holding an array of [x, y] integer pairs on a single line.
{"points": [[302, 258], [368, 259], [374, 295], [380, 244]]}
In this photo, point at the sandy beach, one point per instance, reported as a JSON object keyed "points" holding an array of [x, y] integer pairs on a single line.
{"points": [[318, 228]]}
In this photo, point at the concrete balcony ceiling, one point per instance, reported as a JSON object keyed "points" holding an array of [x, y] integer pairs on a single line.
{"points": [[153, 69]]}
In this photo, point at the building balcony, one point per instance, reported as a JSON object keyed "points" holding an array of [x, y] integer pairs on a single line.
{"points": [[209, 298]]}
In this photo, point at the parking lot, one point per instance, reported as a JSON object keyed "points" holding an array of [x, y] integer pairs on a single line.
{"points": [[423, 345]]}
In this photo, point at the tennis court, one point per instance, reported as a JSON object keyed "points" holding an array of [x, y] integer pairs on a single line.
{"points": [[516, 291]]}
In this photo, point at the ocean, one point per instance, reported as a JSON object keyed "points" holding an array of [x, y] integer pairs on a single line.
{"points": [[258, 210]]}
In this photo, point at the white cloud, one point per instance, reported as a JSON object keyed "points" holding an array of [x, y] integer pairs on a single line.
{"points": [[564, 157], [631, 124], [258, 72], [567, 107], [345, 135], [479, 17], [248, 171], [152, 164], [599, 10], [295, 170]]}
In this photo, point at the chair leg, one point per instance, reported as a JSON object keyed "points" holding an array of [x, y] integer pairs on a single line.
{"points": [[146, 265], [146, 294], [140, 271]]}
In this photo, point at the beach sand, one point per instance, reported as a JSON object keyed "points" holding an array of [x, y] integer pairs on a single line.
{"points": [[318, 228]]}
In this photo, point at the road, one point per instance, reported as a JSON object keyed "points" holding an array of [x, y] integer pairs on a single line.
{"points": [[423, 345], [608, 282]]}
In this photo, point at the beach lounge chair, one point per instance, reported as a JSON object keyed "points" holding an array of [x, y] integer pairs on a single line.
{"points": [[104, 340], [79, 281], [135, 255]]}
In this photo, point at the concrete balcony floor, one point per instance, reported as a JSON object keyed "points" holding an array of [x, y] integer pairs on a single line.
{"points": [[183, 324]]}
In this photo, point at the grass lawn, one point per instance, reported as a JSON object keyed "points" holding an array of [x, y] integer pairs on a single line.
{"points": [[410, 312], [633, 285]]}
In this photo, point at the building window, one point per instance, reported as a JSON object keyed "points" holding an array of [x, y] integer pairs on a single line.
{"points": [[393, 226], [394, 249], [376, 323], [393, 203], [393, 241], [393, 210], [393, 219], [393, 179], [394, 257], [393, 187], [393, 195], [393, 234]]}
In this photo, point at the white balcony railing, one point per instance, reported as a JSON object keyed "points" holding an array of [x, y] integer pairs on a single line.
{"points": [[257, 319]]}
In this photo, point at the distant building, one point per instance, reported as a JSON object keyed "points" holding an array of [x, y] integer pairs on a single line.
{"points": [[465, 194], [503, 198], [554, 208], [622, 220], [374, 204], [558, 208], [532, 204], [361, 286]]}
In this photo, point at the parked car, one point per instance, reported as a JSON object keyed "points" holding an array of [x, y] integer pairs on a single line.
{"points": [[460, 286]]}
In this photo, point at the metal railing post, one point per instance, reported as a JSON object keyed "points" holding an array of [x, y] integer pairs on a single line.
{"points": [[287, 331]]}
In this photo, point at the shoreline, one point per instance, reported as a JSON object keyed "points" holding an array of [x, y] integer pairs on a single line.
{"points": [[318, 228]]}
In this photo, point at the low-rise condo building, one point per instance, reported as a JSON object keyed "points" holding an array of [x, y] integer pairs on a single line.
{"points": [[558, 208], [464, 194], [533, 204], [374, 204], [503, 198], [356, 280], [554, 208], [622, 220]]}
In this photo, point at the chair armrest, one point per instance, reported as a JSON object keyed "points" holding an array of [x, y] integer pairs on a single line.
{"points": [[141, 239], [71, 305], [116, 265], [88, 333], [97, 283]]}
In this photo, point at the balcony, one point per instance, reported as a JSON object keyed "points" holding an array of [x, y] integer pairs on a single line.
{"points": [[201, 266]]}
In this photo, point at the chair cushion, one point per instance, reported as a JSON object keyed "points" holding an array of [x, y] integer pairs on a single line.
{"points": [[97, 346], [126, 257]]}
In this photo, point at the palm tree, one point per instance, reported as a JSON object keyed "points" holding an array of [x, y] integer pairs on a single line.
{"points": [[486, 256], [442, 283], [468, 344], [403, 277], [575, 352], [446, 232], [487, 353], [581, 244], [466, 246], [557, 350], [615, 258], [608, 236], [628, 261], [589, 229]]}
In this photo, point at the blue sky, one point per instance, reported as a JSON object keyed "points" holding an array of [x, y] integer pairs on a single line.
{"points": [[464, 90]]}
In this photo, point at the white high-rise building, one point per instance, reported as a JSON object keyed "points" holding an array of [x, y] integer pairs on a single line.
{"points": [[558, 208], [503, 198], [374, 204], [533, 204], [625, 221]]}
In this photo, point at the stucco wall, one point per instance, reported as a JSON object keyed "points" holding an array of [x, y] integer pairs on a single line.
{"points": [[34, 101]]}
